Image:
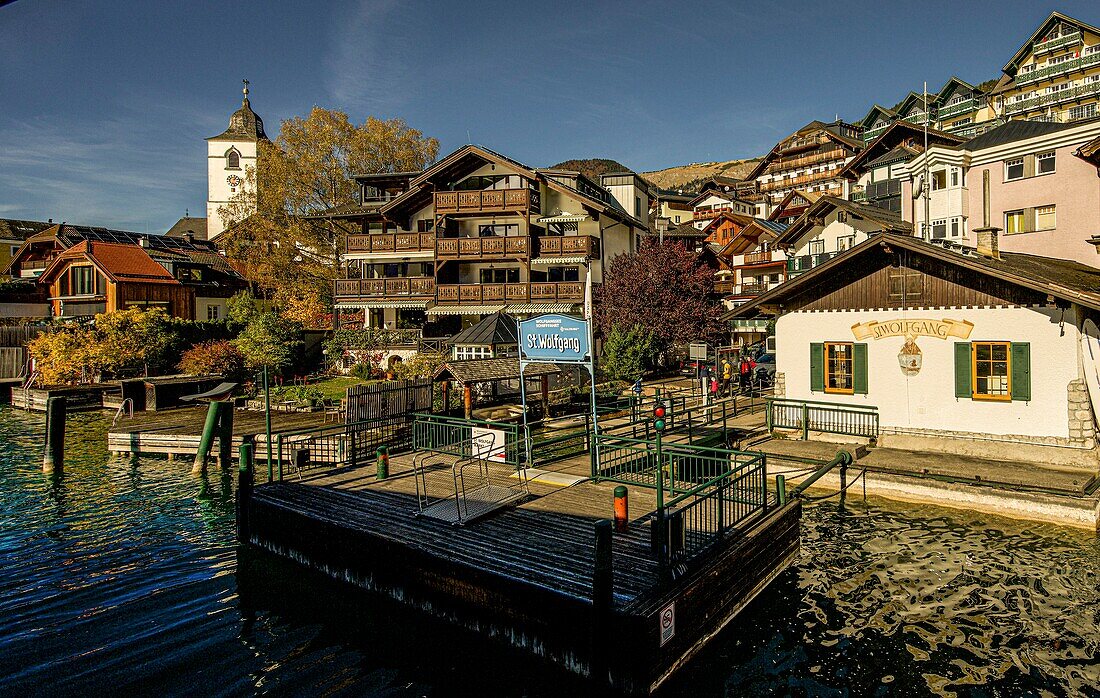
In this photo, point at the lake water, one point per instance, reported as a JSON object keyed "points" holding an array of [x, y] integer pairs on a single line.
{"points": [[125, 577]]}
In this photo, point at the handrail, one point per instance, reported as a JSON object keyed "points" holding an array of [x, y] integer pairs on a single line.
{"points": [[118, 412], [842, 458], [794, 401]]}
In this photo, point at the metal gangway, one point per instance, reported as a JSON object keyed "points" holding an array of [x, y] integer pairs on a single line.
{"points": [[469, 481]]}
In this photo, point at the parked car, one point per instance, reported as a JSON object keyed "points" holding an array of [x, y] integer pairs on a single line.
{"points": [[765, 370]]}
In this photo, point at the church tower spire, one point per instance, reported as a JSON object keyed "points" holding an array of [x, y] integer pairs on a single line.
{"points": [[229, 157]]}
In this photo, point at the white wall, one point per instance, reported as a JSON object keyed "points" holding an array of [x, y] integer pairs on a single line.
{"points": [[203, 304], [927, 400], [219, 192]]}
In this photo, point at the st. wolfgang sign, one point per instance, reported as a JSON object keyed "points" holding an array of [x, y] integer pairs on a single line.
{"points": [[556, 338]]}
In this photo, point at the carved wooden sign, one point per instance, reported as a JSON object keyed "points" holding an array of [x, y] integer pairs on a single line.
{"points": [[912, 328]]}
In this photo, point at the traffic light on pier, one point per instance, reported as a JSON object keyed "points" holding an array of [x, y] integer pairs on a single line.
{"points": [[659, 418]]}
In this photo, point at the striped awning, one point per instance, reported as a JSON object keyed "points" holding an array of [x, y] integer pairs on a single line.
{"points": [[539, 308], [465, 309], [564, 217], [559, 260], [376, 305]]}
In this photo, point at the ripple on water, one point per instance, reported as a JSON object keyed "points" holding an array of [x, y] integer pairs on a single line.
{"points": [[124, 576]]}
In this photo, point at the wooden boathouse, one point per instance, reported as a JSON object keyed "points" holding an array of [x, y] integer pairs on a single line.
{"points": [[513, 537]]}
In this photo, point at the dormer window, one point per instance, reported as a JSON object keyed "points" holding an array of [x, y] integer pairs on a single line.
{"points": [[232, 160]]}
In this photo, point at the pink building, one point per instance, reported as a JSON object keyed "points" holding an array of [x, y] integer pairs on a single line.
{"points": [[1026, 178]]}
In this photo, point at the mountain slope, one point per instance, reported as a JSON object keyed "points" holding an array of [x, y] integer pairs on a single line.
{"points": [[686, 177]]}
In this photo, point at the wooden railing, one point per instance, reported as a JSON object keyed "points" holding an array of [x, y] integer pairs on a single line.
{"points": [[760, 257], [479, 248], [794, 181], [569, 246], [486, 200], [392, 242], [514, 292], [793, 162], [413, 286]]}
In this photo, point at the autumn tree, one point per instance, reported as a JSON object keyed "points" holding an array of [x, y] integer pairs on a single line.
{"points": [[308, 169], [664, 288]]}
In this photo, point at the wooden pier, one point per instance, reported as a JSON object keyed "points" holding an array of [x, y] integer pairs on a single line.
{"points": [[531, 574]]}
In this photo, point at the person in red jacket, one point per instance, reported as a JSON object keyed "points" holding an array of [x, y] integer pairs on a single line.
{"points": [[746, 369]]}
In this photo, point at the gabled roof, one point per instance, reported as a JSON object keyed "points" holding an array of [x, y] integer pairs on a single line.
{"points": [[872, 113], [899, 153], [1090, 152], [735, 218], [887, 220], [118, 262], [810, 197], [188, 224], [897, 132], [1064, 279], [1012, 131], [13, 229], [830, 130], [1054, 18], [911, 99], [752, 235], [492, 330], [951, 83]]}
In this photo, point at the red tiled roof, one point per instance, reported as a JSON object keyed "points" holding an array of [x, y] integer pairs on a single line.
{"points": [[119, 262]]}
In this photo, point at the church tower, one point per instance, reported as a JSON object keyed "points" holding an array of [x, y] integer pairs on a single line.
{"points": [[229, 157]]}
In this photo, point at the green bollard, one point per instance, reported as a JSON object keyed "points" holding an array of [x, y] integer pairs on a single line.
{"points": [[53, 459], [245, 482], [781, 489], [225, 435], [207, 440], [383, 458]]}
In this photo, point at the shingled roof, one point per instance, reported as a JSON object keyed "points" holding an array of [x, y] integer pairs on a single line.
{"points": [[490, 370], [119, 262], [12, 229], [492, 330]]}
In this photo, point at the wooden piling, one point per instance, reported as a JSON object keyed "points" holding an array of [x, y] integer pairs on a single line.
{"points": [[207, 439], [245, 479], [225, 434], [603, 574], [53, 459]]}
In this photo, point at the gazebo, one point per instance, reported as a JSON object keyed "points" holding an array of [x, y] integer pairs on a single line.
{"points": [[471, 372], [494, 336]]}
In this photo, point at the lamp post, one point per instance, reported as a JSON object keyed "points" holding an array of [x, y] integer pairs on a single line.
{"points": [[267, 422]]}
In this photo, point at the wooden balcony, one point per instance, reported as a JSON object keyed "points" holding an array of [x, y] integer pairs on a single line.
{"points": [[404, 287], [569, 246], [487, 201], [763, 258], [476, 294], [473, 249], [392, 242], [795, 181]]}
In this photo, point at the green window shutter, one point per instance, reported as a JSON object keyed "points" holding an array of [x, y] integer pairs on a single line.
{"points": [[1021, 371], [859, 369], [962, 370], [817, 367]]}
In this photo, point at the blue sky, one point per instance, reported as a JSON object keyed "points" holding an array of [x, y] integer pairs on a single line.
{"points": [[106, 104]]}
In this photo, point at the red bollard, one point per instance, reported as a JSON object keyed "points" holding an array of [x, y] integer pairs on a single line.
{"points": [[622, 509]]}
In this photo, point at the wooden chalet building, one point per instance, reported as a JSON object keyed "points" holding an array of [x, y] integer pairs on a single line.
{"points": [[964, 350], [810, 159], [479, 233]]}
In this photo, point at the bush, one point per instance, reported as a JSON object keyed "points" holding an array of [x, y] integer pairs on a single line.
{"points": [[422, 364], [629, 353], [214, 357], [270, 341], [365, 371], [304, 394]]}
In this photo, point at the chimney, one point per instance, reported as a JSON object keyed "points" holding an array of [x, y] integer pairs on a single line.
{"points": [[189, 236], [143, 241], [986, 240]]}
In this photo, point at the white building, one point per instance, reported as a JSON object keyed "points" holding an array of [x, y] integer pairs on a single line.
{"points": [[229, 157]]}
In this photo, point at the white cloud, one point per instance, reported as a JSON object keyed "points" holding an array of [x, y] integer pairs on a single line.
{"points": [[369, 65]]}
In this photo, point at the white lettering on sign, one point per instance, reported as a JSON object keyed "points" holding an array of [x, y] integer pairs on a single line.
{"points": [[554, 342], [668, 623]]}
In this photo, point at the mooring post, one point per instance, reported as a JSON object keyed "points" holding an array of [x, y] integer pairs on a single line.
{"points": [[53, 458], [622, 509], [383, 457], [843, 481], [805, 421], [246, 475], [781, 489], [603, 575], [207, 439], [225, 434]]}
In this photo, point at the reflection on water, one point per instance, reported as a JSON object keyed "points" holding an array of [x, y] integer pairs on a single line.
{"points": [[124, 576]]}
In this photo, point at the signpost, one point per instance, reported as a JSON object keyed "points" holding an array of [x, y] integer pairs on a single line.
{"points": [[559, 339]]}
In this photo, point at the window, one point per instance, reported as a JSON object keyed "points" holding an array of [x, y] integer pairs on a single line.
{"points": [[992, 380], [956, 227], [939, 180], [82, 281], [845, 242], [232, 160], [838, 367], [1014, 222], [14, 250], [1014, 169], [1084, 111], [637, 207], [498, 230], [817, 247], [212, 313], [1044, 218], [677, 221], [1060, 87], [1044, 163], [499, 276], [939, 229], [954, 177], [1089, 50], [904, 284], [465, 353], [424, 226]]}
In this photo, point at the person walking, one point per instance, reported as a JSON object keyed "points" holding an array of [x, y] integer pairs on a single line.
{"points": [[727, 376], [746, 368]]}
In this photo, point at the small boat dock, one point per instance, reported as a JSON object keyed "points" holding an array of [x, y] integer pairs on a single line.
{"points": [[529, 555]]}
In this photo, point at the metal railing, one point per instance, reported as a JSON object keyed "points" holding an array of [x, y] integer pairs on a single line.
{"points": [[458, 489], [702, 516], [336, 445], [825, 417], [434, 433]]}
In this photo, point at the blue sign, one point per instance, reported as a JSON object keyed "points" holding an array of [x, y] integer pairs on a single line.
{"points": [[557, 338]]}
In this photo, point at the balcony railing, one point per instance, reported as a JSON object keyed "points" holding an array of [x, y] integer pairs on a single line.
{"points": [[949, 110], [492, 247], [568, 246], [1063, 68], [486, 201], [1069, 95], [1071, 39], [402, 287], [783, 164], [711, 212], [514, 292], [806, 262], [873, 133], [392, 242], [795, 181], [762, 257], [752, 289]]}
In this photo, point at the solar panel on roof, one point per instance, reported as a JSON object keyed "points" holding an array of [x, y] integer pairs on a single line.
{"points": [[73, 234]]}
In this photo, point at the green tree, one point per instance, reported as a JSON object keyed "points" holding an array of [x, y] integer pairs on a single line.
{"points": [[628, 353], [269, 340], [241, 308]]}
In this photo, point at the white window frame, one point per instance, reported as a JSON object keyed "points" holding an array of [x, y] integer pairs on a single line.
{"points": [[1040, 157], [1023, 221], [1053, 218], [1012, 163]]}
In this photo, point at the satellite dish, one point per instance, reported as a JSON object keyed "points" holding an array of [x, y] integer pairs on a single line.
{"points": [[919, 188], [726, 188]]}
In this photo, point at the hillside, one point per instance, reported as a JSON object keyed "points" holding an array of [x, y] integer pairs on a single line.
{"points": [[687, 176], [592, 167]]}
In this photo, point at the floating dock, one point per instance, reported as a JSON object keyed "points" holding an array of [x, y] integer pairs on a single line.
{"points": [[547, 574]]}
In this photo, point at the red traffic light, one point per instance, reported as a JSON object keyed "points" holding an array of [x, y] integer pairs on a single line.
{"points": [[659, 411]]}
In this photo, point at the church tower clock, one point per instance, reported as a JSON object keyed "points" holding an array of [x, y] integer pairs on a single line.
{"points": [[229, 157]]}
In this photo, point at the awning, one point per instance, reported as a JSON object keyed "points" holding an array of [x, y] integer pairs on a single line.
{"points": [[559, 260], [539, 308], [564, 217], [465, 309], [375, 305]]}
